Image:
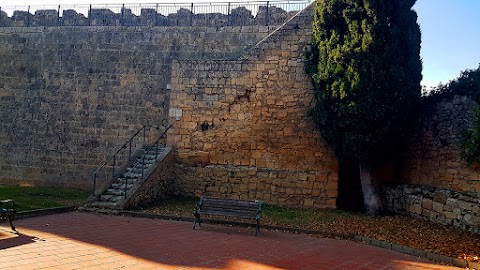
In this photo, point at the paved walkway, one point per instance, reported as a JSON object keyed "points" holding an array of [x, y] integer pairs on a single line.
{"points": [[92, 241]]}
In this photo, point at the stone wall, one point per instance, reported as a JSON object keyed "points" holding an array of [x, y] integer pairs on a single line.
{"points": [[70, 96], [433, 157], [243, 127], [461, 209]]}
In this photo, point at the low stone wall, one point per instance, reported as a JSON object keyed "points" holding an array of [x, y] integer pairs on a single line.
{"points": [[296, 188], [461, 209]]}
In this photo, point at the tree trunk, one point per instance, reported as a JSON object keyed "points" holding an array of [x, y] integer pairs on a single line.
{"points": [[371, 193]]}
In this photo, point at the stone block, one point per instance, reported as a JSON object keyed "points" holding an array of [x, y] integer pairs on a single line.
{"points": [[472, 220], [415, 208], [450, 215], [427, 204], [308, 202], [437, 207], [465, 205], [440, 197]]}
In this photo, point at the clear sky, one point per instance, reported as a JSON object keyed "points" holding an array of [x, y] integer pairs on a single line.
{"points": [[450, 38], [450, 32]]}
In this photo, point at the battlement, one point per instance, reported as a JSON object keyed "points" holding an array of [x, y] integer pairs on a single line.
{"points": [[198, 14]]}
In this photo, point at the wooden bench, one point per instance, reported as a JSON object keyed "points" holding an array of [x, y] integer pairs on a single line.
{"points": [[212, 206], [7, 211]]}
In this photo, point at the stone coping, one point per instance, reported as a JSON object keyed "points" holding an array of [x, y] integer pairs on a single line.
{"points": [[358, 238]]}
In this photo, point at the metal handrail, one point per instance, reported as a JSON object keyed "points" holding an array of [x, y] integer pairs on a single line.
{"points": [[155, 144], [124, 146]]}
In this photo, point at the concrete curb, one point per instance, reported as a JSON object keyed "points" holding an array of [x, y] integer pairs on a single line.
{"points": [[418, 253], [43, 212]]}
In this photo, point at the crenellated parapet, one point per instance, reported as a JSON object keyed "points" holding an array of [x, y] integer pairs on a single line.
{"points": [[212, 14]]}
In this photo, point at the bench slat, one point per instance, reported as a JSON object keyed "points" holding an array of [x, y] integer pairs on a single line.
{"points": [[228, 214], [228, 207]]}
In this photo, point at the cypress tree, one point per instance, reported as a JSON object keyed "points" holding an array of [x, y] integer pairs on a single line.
{"points": [[366, 71]]}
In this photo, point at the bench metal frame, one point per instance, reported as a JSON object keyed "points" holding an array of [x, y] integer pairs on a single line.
{"points": [[212, 206], [7, 211]]}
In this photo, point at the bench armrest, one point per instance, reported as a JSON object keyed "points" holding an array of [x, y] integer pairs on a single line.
{"points": [[8, 203]]}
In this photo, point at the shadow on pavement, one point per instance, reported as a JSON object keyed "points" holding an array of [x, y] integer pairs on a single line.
{"points": [[120, 242], [10, 239]]}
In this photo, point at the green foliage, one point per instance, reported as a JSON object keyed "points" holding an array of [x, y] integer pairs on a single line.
{"points": [[31, 198], [366, 70], [470, 142], [467, 84]]}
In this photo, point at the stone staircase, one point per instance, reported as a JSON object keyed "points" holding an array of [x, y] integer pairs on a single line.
{"points": [[128, 181]]}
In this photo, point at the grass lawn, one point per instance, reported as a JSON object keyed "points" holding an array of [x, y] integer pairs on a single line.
{"points": [[31, 198]]}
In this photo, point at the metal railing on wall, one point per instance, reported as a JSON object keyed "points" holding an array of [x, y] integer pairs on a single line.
{"points": [[164, 14]]}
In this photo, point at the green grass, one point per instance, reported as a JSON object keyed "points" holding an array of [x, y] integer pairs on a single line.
{"points": [[274, 215], [32, 198], [304, 218]]}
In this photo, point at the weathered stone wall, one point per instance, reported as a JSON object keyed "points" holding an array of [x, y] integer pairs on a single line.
{"points": [[433, 156], [436, 184], [461, 209], [244, 126], [70, 96]]}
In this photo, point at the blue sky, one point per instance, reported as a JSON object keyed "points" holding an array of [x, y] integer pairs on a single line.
{"points": [[450, 33], [450, 38]]}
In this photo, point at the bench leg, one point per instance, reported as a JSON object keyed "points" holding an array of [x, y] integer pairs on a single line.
{"points": [[11, 224], [197, 220], [257, 229]]}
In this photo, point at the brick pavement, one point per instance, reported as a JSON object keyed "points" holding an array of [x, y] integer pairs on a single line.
{"points": [[92, 241]]}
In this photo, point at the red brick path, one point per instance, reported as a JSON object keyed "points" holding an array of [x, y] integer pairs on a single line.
{"points": [[90, 241]]}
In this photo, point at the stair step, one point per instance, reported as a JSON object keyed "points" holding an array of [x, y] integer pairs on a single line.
{"points": [[114, 192], [131, 175], [121, 185], [159, 149], [139, 165], [139, 170], [106, 197], [147, 161], [100, 204], [123, 181], [116, 199]]}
